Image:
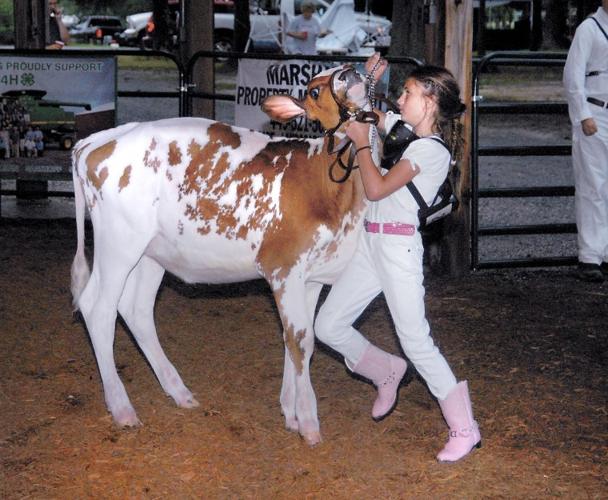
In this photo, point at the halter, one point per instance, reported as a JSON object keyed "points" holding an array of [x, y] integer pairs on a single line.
{"points": [[346, 114]]}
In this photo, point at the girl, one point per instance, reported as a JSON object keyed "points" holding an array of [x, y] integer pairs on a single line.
{"points": [[389, 255]]}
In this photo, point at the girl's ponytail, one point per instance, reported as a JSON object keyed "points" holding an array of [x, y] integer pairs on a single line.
{"points": [[454, 138]]}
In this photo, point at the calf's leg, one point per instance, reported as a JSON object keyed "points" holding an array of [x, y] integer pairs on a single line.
{"points": [[288, 389], [136, 306], [98, 305], [299, 342], [288, 392]]}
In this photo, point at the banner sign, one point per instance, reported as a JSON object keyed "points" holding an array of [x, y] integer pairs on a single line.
{"points": [[258, 79], [52, 90], [74, 83]]}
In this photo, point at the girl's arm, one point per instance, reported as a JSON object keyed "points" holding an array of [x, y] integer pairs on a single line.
{"points": [[376, 185]]}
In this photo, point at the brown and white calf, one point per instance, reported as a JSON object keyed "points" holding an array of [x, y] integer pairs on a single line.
{"points": [[211, 203]]}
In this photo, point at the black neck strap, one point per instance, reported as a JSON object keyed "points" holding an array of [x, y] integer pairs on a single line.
{"points": [[412, 187]]}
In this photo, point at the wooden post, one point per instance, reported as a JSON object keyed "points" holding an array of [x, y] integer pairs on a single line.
{"points": [[30, 23], [432, 50], [199, 36], [537, 25], [458, 59], [31, 27]]}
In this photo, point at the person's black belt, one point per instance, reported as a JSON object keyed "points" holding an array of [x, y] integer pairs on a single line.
{"points": [[597, 102]]}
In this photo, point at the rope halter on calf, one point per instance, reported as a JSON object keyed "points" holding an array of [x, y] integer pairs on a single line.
{"points": [[359, 106]]}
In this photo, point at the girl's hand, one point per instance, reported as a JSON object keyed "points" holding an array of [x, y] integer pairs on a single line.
{"points": [[358, 133], [374, 59]]}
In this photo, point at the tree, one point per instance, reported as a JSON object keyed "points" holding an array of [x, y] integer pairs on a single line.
{"points": [[555, 26], [160, 12], [89, 7], [584, 8], [537, 22], [408, 40], [242, 26]]}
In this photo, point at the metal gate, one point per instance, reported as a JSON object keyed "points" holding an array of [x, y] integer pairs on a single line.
{"points": [[537, 59]]}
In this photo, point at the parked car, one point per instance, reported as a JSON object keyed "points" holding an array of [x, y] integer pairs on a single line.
{"points": [[95, 28], [135, 32], [69, 20], [140, 27]]}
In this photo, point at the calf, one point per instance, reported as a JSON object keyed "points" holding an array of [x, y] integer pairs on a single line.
{"points": [[213, 203]]}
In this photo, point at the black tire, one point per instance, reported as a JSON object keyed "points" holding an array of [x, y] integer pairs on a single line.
{"points": [[222, 42], [66, 142]]}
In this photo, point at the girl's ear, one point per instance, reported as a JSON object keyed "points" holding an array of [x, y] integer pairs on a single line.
{"points": [[432, 103]]}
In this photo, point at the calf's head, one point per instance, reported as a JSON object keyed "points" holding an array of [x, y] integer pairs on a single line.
{"points": [[330, 94]]}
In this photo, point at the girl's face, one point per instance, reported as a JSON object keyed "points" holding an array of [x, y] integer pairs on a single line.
{"points": [[414, 105]]}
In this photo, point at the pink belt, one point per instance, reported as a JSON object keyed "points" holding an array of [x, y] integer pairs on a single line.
{"points": [[390, 228]]}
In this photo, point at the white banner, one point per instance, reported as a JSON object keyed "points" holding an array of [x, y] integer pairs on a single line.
{"points": [[88, 82], [258, 79]]}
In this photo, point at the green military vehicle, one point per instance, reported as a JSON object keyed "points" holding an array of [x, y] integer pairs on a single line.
{"points": [[57, 124]]}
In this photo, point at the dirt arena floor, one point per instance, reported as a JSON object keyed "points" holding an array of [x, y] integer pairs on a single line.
{"points": [[532, 344]]}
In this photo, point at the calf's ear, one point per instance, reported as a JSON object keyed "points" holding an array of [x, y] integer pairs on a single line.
{"points": [[282, 108]]}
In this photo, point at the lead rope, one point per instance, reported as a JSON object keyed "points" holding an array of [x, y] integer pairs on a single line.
{"points": [[371, 95]]}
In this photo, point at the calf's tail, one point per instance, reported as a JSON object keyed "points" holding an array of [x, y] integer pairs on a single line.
{"points": [[80, 268]]}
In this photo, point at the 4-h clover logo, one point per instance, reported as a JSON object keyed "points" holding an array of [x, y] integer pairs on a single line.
{"points": [[27, 79]]}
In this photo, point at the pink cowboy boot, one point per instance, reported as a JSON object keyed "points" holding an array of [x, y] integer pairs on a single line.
{"points": [[464, 432], [386, 372]]}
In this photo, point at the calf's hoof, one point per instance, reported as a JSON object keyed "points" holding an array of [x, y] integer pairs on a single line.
{"points": [[312, 438], [291, 424], [310, 433], [187, 401], [126, 418]]}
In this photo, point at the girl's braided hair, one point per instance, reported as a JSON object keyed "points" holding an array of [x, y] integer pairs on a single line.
{"points": [[440, 83]]}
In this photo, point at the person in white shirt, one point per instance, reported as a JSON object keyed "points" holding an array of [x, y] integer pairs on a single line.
{"points": [[305, 29], [586, 85], [389, 254]]}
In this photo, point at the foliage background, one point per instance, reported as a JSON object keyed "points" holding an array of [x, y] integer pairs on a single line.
{"points": [[78, 7], [86, 7], [116, 8]]}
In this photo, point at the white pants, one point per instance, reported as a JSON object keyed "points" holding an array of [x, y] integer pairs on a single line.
{"points": [[391, 264], [590, 162]]}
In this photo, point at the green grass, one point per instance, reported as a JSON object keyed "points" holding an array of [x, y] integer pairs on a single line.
{"points": [[145, 63], [511, 75], [6, 7]]}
